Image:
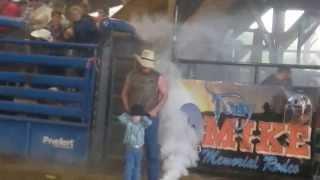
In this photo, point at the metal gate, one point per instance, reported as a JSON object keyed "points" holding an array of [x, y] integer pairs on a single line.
{"points": [[46, 115]]}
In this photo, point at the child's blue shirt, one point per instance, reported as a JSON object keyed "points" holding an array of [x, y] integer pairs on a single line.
{"points": [[134, 135]]}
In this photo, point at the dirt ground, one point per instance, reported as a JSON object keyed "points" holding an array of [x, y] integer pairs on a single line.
{"points": [[43, 175], [12, 169]]}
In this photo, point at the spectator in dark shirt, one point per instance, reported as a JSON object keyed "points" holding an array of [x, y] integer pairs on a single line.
{"points": [[84, 29], [281, 78], [84, 26]]}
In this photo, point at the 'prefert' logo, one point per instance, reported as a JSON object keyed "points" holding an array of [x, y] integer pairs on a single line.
{"points": [[58, 142]]}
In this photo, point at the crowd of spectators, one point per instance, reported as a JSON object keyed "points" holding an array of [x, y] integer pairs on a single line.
{"points": [[46, 22], [69, 21]]}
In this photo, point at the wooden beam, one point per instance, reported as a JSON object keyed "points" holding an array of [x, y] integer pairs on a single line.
{"points": [[289, 36], [301, 4], [257, 16], [171, 9]]}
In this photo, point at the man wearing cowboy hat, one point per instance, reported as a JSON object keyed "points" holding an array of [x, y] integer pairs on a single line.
{"points": [[145, 86]]}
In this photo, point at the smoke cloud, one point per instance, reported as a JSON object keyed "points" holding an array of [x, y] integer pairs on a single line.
{"points": [[178, 140], [197, 39]]}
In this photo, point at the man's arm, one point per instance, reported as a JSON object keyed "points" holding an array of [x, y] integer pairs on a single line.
{"points": [[163, 96], [124, 95]]}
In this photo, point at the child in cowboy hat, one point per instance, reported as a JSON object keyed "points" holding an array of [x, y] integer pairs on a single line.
{"points": [[136, 122]]}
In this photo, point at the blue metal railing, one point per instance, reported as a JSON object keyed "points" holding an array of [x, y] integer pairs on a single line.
{"points": [[11, 22], [83, 84], [49, 45], [66, 62], [40, 79], [48, 124]]}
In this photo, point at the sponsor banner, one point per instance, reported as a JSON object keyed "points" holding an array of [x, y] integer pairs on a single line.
{"points": [[260, 128]]}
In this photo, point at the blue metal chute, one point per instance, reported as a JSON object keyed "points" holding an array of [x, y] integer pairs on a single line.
{"points": [[59, 116], [50, 113]]}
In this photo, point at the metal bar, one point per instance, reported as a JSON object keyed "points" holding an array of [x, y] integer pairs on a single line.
{"points": [[187, 8], [294, 51], [11, 22], [266, 36], [309, 33], [277, 31], [35, 79], [299, 44], [256, 75], [67, 62], [110, 73], [48, 44], [291, 33], [309, 27], [91, 95], [39, 94], [40, 109], [189, 71], [246, 20], [100, 126], [87, 98], [223, 63], [249, 47], [28, 139], [41, 121], [257, 47]]}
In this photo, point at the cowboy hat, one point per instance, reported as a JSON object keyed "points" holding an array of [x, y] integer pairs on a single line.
{"points": [[42, 34], [147, 58]]}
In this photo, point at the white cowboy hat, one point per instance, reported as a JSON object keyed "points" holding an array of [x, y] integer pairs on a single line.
{"points": [[147, 58], [42, 34]]}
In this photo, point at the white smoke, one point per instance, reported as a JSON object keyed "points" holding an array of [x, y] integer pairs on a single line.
{"points": [[152, 29], [177, 138]]}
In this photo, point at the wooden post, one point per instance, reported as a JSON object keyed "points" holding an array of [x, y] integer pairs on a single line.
{"points": [[277, 32], [171, 9]]}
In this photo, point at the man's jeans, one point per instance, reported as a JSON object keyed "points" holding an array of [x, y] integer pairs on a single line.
{"points": [[152, 150], [133, 163]]}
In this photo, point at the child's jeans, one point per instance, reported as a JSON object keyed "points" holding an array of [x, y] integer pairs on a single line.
{"points": [[133, 160]]}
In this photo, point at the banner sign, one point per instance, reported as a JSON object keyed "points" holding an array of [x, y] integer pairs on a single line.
{"points": [[260, 128]]}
